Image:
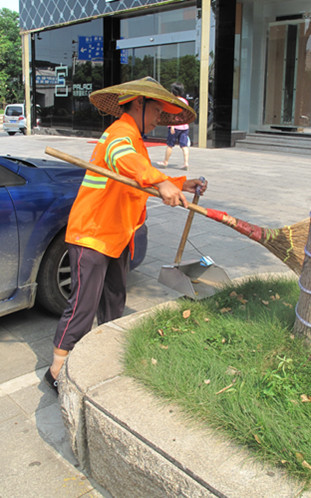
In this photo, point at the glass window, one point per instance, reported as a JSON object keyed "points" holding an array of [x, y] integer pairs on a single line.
{"points": [[67, 74], [166, 62], [288, 77], [14, 111], [168, 21]]}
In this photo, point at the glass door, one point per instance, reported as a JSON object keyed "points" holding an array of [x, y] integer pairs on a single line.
{"points": [[288, 77], [166, 64], [165, 47]]}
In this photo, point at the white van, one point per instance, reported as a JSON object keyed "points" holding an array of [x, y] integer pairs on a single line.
{"points": [[14, 119]]}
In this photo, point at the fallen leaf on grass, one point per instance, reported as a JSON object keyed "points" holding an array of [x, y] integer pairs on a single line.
{"points": [[154, 361], [305, 399], [207, 381], [162, 346], [232, 371], [241, 299], [186, 314], [276, 297], [227, 387], [223, 340], [266, 303], [288, 305], [160, 332], [257, 439], [225, 310], [303, 462], [174, 329], [206, 319]]}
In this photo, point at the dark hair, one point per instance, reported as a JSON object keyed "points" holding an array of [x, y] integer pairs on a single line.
{"points": [[126, 107], [177, 89]]}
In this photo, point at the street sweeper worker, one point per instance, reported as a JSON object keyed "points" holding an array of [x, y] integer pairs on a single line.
{"points": [[106, 213]]}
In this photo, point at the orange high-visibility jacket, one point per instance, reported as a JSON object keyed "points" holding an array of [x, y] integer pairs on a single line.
{"points": [[106, 213]]}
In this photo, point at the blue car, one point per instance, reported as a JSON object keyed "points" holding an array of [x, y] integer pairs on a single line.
{"points": [[35, 200]]}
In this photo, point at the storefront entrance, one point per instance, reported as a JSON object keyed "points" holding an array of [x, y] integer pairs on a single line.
{"points": [[90, 55], [288, 76]]}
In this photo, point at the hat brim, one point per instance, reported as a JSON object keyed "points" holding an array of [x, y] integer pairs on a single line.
{"points": [[174, 112], [170, 108]]}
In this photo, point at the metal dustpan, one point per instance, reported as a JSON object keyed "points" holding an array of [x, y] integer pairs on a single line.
{"points": [[193, 278], [196, 279]]}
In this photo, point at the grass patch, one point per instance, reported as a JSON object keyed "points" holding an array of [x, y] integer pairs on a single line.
{"points": [[231, 362]]}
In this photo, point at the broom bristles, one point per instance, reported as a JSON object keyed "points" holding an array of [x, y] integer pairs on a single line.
{"points": [[289, 245], [286, 243]]}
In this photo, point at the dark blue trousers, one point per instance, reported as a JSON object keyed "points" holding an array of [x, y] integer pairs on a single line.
{"points": [[98, 286]]}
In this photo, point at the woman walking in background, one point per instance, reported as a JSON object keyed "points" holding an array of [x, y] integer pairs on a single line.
{"points": [[177, 133]]}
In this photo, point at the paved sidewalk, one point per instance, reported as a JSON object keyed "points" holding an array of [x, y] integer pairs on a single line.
{"points": [[266, 189]]}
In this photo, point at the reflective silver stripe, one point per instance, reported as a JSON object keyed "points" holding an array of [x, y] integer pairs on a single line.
{"points": [[103, 138], [115, 151], [94, 182], [120, 152]]}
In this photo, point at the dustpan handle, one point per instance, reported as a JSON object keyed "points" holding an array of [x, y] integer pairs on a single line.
{"points": [[186, 231]]}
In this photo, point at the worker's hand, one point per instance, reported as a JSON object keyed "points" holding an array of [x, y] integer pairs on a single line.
{"points": [[172, 130], [190, 185], [171, 194]]}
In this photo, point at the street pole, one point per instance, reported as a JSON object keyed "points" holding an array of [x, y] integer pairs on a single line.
{"points": [[204, 72], [26, 78]]}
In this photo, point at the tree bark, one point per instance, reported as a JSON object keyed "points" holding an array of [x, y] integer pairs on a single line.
{"points": [[302, 324]]}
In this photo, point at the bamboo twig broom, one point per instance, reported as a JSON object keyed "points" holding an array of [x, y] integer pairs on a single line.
{"points": [[286, 243]]}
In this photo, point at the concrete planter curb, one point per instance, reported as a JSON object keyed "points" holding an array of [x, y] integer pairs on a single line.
{"points": [[134, 445]]}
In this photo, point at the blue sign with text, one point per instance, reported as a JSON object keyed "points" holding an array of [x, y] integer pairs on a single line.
{"points": [[91, 48]]}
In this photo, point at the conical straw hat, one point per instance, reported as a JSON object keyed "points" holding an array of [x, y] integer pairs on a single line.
{"points": [[175, 111]]}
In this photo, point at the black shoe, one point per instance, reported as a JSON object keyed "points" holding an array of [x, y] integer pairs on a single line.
{"points": [[51, 382]]}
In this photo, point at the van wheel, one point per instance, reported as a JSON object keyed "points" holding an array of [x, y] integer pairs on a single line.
{"points": [[11, 132]]}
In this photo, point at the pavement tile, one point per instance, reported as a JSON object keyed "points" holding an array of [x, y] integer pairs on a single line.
{"points": [[33, 469], [25, 359], [8, 409]]}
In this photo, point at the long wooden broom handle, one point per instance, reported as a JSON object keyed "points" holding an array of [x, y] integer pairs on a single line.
{"points": [[114, 176]]}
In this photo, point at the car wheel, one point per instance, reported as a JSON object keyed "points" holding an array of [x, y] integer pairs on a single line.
{"points": [[23, 130], [54, 277], [11, 132]]}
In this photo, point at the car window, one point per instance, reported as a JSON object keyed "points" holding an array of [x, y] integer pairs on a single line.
{"points": [[14, 111], [9, 179]]}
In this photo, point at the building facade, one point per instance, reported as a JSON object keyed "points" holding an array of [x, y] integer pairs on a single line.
{"points": [[245, 66]]}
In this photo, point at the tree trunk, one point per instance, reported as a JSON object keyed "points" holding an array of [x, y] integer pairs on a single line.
{"points": [[302, 324]]}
